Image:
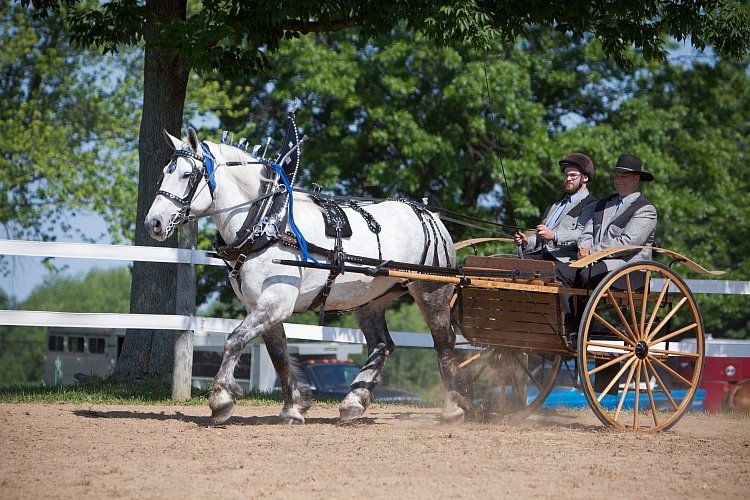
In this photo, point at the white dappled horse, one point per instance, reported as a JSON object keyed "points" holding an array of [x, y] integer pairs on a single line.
{"points": [[272, 292]]}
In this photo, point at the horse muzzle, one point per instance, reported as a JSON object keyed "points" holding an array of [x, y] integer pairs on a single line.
{"points": [[156, 229]]}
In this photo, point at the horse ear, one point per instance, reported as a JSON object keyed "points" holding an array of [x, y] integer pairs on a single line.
{"points": [[193, 139], [171, 140]]}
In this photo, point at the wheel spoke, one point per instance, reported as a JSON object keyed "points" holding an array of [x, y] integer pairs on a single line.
{"points": [[663, 292], [674, 353], [671, 371], [610, 363], [651, 400], [470, 360], [621, 316], [666, 319], [661, 384], [515, 383], [526, 370], [627, 348], [682, 330], [636, 403], [646, 286], [631, 307], [613, 329], [625, 389], [612, 382]]}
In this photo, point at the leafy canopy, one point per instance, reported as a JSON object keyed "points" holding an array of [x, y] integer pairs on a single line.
{"points": [[236, 37], [67, 123]]}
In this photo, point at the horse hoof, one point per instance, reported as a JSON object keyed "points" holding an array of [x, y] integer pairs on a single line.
{"points": [[452, 416], [351, 412], [354, 405], [222, 407], [292, 417]]}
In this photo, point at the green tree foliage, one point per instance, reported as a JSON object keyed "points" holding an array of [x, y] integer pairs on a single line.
{"points": [[236, 37], [690, 125], [386, 120], [67, 130], [22, 348]]}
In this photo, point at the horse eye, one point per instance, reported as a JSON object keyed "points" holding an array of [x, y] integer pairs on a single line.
{"points": [[187, 175]]}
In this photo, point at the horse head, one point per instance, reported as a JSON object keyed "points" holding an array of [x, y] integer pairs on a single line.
{"points": [[185, 188]]}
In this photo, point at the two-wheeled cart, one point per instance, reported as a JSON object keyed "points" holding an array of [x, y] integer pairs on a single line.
{"points": [[637, 355]]}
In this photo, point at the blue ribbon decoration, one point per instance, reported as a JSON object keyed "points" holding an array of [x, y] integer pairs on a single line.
{"points": [[208, 161], [297, 233]]}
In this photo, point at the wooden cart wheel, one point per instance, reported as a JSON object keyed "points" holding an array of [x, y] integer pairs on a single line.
{"points": [[641, 348], [508, 384]]}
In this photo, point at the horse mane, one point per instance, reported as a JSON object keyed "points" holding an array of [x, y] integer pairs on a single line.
{"points": [[249, 175]]}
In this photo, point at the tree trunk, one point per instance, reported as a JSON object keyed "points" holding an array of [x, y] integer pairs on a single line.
{"points": [[150, 353]]}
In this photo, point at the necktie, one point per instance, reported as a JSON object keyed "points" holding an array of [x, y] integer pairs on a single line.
{"points": [[563, 203], [617, 208]]}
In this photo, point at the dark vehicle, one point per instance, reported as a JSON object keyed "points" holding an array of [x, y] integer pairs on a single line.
{"points": [[332, 378]]}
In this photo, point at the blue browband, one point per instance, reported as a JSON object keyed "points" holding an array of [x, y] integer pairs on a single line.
{"points": [[208, 161]]}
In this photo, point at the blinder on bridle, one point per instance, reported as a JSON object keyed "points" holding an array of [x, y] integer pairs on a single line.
{"points": [[183, 215]]}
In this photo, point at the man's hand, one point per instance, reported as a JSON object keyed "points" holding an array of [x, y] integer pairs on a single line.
{"points": [[520, 239], [545, 233], [583, 252]]}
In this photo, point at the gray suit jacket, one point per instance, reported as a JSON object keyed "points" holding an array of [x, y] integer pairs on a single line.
{"points": [[568, 227], [634, 224]]}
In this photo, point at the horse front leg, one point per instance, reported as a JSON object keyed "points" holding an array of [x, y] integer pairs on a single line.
{"points": [[371, 320], [434, 302], [296, 394], [225, 387]]}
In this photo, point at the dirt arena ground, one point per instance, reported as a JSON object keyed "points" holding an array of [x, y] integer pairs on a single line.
{"points": [[145, 452]]}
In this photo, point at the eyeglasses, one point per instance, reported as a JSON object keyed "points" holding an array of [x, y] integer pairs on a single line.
{"points": [[571, 176]]}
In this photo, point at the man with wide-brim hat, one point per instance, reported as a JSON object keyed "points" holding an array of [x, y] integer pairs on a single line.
{"points": [[556, 235], [629, 164], [625, 218]]}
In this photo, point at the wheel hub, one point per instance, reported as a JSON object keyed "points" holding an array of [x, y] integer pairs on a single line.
{"points": [[641, 349]]}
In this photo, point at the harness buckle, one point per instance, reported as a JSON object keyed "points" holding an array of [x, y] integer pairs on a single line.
{"points": [[271, 230]]}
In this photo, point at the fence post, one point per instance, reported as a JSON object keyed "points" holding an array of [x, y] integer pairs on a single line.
{"points": [[186, 291]]}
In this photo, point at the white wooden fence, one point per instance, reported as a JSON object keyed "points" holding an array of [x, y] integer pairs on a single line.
{"points": [[200, 325]]}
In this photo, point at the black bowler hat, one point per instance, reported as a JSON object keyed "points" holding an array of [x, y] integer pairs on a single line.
{"points": [[630, 164]]}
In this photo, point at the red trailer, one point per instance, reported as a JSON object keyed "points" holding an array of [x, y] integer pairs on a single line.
{"points": [[727, 362]]}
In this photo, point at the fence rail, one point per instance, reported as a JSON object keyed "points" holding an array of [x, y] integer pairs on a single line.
{"points": [[201, 325], [204, 325], [192, 256]]}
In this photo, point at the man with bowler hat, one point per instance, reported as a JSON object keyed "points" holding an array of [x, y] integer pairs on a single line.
{"points": [[557, 235], [626, 218]]}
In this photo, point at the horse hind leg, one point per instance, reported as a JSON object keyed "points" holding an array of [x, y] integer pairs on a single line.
{"points": [[371, 320], [296, 394], [433, 300]]}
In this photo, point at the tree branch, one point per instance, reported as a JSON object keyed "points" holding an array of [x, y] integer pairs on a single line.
{"points": [[305, 27]]}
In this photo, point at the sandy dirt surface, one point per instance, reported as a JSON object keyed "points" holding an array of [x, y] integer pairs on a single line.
{"points": [[101, 451]]}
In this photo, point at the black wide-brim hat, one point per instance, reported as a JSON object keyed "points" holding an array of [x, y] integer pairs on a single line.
{"points": [[630, 164]]}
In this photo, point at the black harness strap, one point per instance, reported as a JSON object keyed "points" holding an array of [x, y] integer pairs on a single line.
{"points": [[372, 224]]}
